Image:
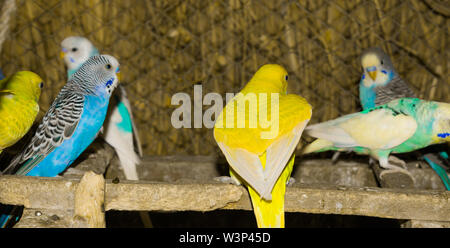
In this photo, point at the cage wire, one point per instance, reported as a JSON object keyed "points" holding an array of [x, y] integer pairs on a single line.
{"points": [[168, 46]]}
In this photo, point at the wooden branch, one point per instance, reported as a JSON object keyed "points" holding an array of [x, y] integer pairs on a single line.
{"points": [[89, 200], [58, 193], [425, 224], [366, 201], [81, 205]]}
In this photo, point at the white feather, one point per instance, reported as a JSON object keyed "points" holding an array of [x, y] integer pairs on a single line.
{"points": [[122, 142]]}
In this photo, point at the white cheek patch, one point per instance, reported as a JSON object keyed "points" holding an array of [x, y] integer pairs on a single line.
{"points": [[367, 81], [381, 77]]}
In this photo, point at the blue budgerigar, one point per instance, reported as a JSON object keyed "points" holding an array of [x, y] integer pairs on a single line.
{"points": [[71, 123], [119, 129], [73, 120], [380, 84]]}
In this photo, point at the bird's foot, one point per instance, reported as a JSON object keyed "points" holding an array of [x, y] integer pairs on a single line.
{"points": [[396, 160], [227, 179], [290, 182], [335, 157], [389, 168]]}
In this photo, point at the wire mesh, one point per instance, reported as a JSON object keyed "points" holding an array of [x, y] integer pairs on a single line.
{"points": [[165, 47]]}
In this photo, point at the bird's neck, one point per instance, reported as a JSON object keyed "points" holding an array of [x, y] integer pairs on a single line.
{"points": [[266, 86]]}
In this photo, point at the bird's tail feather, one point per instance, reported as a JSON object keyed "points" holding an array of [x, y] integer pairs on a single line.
{"points": [[9, 215], [433, 160], [271, 213], [319, 145], [129, 160]]}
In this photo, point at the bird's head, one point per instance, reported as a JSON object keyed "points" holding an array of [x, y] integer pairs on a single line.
{"points": [[76, 50], [376, 66], [31, 83], [99, 74], [274, 76]]}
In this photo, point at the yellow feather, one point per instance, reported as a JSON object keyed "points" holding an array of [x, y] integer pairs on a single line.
{"points": [[271, 213], [246, 147], [19, 107]]}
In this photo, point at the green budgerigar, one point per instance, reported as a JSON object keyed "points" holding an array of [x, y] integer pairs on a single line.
{"points": [[402, 125], [19, 97]]}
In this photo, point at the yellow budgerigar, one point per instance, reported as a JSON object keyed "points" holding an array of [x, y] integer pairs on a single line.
{"points": [[19, 96], [258, 131]]}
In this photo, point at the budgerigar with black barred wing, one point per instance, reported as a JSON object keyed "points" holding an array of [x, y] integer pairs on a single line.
{"points": [[72, 122], [119, 129]]}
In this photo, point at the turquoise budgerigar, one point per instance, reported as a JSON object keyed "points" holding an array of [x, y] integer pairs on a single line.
{"points": [[402, 125], [119, 129], [71, 123], [380, 84]]}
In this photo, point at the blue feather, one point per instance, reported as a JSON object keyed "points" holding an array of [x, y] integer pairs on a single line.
{"points": [[94, 113], [439, 170], [367, 96]]}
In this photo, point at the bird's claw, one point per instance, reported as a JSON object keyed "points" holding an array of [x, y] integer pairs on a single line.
{"points": [[335, 157], [290, 182], [227, 179], [397, 170], [397, 161]]}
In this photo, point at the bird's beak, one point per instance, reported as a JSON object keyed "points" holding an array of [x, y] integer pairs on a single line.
{"points": [[372, 70], [373, 75], [62, 54], [118, 76]]}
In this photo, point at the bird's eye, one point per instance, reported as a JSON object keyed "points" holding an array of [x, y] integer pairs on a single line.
{"points": [[74, 49], [382, 62], [108, 66], [286, 77], [41, 85]]}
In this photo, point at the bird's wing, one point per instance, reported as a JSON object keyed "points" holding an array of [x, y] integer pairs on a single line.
{"points": [[278, 155], [377, 129], [246, 164], [58, 124], [126, 102], [396, 88], [238, 146]]}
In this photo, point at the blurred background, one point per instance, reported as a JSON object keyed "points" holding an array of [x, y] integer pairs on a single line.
{"points": [[165, 47], [168, 46]]}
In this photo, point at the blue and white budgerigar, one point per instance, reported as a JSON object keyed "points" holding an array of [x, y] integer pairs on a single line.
{"points": [[75, 50], [119, 129], [380, 84], [402, 125], [71, 123]]}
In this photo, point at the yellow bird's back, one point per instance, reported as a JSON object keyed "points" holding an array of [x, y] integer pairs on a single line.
{"points": [[19, 96], [260, 152]]}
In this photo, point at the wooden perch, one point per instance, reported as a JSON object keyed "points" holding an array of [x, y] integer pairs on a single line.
{"points": [[58, 194], [89, 200], [74, 204]]}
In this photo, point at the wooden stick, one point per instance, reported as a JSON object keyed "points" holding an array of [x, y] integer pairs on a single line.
{"points": [[89, 201], [58, 193]]}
